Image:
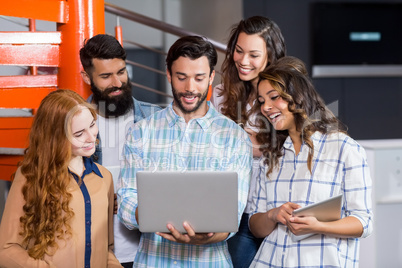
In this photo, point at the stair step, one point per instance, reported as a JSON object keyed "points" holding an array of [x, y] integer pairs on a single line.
{"points": [[29, 55], [30, 37], [8, 165], [23, 97], [50, 10], [15, 123], [18, 81], [14, 132], [14, 138]]}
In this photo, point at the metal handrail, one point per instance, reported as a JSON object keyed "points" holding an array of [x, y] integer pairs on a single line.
{"points": [[160, 25], [145, 47], [151, 89], [146, 67]]}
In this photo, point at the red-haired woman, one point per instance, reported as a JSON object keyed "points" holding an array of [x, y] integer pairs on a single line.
{"points": [[59, 211]]}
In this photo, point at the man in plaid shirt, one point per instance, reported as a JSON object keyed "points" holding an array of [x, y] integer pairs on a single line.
{"points": [[188, 135]]}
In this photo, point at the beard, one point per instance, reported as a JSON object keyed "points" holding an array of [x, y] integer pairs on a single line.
{"points": [[201, 98], [113, 106]]}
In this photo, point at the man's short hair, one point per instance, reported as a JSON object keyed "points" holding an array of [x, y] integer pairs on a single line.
{"points": [[100, 46], [192, 47]]}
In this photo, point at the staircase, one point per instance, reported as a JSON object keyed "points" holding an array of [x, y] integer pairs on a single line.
{"points": [[55, 52]]}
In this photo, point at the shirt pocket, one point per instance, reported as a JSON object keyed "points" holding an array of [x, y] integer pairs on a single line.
{"points": [[325, 181]]}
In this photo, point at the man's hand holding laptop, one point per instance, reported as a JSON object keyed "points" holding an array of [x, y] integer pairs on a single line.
{"points": [[191, 237]]}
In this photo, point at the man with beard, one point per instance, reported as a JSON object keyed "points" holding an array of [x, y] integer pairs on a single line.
{"points": [[188, 135], [103, 60]]}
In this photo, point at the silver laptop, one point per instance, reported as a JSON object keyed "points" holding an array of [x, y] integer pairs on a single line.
{"points": [[207, 200], [326, 210]]}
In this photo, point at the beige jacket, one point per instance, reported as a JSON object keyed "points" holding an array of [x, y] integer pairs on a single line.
{"points": [[71, 253]]}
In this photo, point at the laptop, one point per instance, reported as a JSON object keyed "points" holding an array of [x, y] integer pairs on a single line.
{"points": [[326, 210], [207, 200]]}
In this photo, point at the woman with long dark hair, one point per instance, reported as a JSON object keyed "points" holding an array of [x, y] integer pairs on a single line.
{"points": [[254, 44], [309, 158]]}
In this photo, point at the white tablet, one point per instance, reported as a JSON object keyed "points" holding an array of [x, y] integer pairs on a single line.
{"points": [[326, 210], [207, 200]]}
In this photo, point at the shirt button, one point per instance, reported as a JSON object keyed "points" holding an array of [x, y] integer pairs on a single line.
{"points": [[88, 244], [88, 222], [88, 201]]}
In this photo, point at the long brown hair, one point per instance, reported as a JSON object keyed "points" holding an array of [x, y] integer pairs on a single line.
{"points": [[236, 92], [289, 78], [45, 167]]}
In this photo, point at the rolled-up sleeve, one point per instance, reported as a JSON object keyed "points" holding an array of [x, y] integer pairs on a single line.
{"points": [[358, 186]]}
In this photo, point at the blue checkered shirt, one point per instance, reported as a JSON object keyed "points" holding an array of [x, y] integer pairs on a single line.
{"points": [[339, 166], [165, 141]]}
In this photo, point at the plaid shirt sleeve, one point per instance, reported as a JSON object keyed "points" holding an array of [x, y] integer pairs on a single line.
{"points": [[357, 185]]}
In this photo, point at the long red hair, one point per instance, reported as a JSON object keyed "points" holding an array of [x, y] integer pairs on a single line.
{"points": [[45, 167]]}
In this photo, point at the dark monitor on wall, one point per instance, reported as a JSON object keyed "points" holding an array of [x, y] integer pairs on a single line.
{"points": [[356, 39]]}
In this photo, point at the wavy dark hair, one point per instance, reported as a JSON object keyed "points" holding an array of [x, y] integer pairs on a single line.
{"points": [[235, 90], [308, 108], [45, 166]]}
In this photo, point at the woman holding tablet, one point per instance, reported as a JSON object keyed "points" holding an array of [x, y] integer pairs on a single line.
{"points": [[309, 158]]}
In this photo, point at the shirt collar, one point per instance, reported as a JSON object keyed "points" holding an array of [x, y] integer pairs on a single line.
{"points": [[204, 121], [90, 167], [288, 144], [316, 136]]}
